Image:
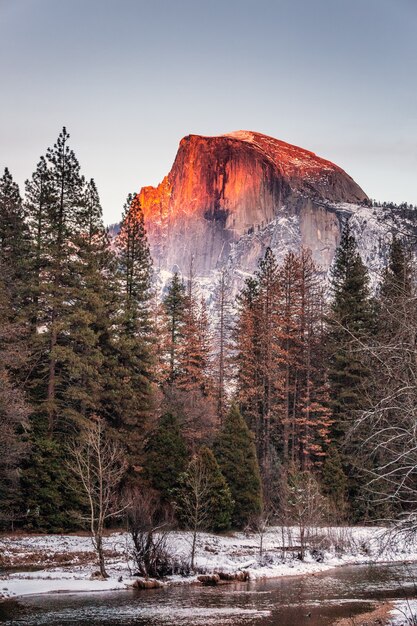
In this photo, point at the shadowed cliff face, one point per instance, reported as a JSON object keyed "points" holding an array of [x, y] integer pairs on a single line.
{"points": [[223, 189]]}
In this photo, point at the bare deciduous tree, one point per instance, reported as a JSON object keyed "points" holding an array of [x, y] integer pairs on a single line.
{"points": [[98, 462], [387, 427], [306, 505], [149, 524], [192, 501]]}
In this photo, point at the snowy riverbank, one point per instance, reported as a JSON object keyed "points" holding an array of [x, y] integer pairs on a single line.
{"points": [[35, 564]]}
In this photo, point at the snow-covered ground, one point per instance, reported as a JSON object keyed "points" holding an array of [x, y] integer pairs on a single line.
{"points": [[404, 614], [49, 563]]}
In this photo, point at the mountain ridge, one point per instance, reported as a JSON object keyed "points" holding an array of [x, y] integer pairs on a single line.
{"points": [[229, 197]]}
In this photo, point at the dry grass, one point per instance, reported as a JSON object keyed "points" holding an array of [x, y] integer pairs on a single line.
{"points": [[379, 616]]}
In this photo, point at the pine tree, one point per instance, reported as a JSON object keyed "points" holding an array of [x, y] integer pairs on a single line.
{"points": [[387, 424], [136, 266], [132, 360], [165, 456], [174, 306], [395, 291], [69, 314], [267, 324], [89, 315], [53, 502], [194, 355], [14, 242], [282, 383], [350, 324], [350, 328], [38, 196], [290, 340], [397, 278], [246, 340], [59, 282], [14, 409], [222, 346], [313, 413], [236, 455], [217, 500], [335, 482]]}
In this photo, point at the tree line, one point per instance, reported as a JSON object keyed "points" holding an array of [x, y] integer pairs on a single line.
{"points": [[222, 416]]}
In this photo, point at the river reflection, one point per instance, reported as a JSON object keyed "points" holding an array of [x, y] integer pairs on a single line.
{"points": [[314, 600]]}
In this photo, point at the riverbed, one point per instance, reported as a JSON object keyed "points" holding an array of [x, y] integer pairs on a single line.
{"points": [[314, 600]]}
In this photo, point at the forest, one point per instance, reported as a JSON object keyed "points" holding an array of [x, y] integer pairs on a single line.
{"points": [[119, 401]]}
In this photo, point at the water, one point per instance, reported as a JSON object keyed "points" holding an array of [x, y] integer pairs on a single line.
{"points": [[314, 600]]}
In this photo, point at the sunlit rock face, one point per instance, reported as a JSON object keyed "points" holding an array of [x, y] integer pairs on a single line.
{"points": [[223, 188], [228, 197]]}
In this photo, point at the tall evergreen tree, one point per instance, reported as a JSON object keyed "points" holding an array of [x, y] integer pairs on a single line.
{"points": [[204, 485], [395, 291], [194, 354], [313, 413], [350, 328], [222, 346], [38, 197], [69, 312], [133, 335], [14, 409], [174, 306], [281, 381], [14, 242], [246, 338], [66, 199], [89, 315], [236, 455], [387, 424], [136, 266], [350, 324], [165, 456]]}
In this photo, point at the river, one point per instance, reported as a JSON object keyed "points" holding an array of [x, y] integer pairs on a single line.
{"points": [[316, 600]]}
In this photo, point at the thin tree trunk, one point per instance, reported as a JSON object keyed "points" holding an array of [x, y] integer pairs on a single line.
{"points": [[193, 546]]}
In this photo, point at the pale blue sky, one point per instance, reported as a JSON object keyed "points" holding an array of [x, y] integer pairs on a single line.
{"points": [[129, 78]]}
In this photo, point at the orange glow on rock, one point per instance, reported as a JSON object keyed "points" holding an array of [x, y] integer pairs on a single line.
{"points": [[231, 184]]}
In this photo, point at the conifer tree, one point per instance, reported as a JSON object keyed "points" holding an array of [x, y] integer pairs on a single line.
{"points": [[395, 291], [236, 455], [38, 196], [222, 345], [50, 496], [387, 422], [165, 456], [14, 242], [174, 307], [66, 198], [267, 325], [204, 486], [350, 324], [350, 329], [397, 278], [70, 314], [90, 314], [136, 266], [132, 359], [313, 413], [14, 409], [194, 355], [281, 379], [335, 482], [290, 340], [246, 338]]}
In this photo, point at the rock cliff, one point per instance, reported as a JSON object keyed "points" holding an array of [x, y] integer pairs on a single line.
{"points": [[223, 188], [227, 198]]}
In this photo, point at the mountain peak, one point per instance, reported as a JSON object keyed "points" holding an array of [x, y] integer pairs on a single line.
{"points": [[223, 187]]}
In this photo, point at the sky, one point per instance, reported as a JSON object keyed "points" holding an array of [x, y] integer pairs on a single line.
{"points": [[130, 78]]}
